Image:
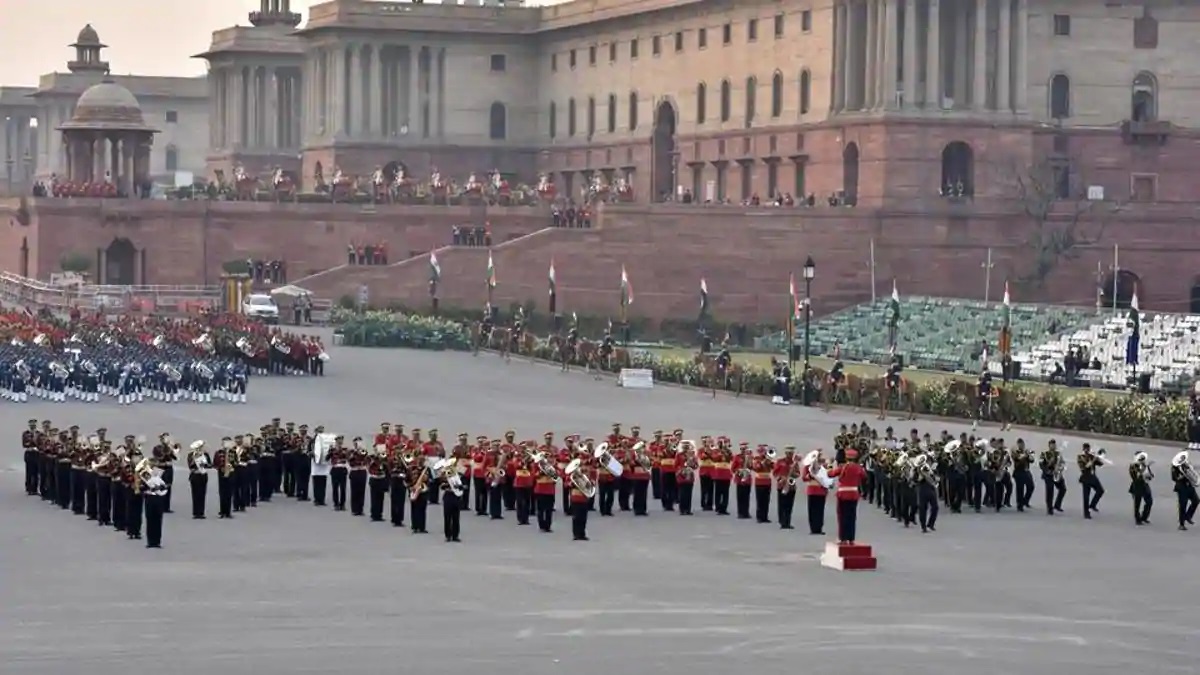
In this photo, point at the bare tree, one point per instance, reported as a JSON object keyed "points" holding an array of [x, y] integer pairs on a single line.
{"points": [[1053, 195]]}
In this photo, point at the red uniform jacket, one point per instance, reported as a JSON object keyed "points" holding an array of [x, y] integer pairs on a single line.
{"points": [[706, 463], [850, 478], [666, 459], [479, 462], [780, 473], [741, 462], [604, 475], [433, 449], [637, 471], [522, 474], [685, 477], [813, 489], [655, 450], [762, 472], [722, 466]]}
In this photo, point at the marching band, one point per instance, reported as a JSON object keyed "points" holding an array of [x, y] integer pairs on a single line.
{"points": [[119, 486]]}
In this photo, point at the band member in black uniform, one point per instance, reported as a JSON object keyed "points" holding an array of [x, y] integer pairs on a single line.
{"points": [[1186, 480], [135, 499], [29, 445], [107, 463], [224, 463], [154, 489], [377, 481], [252, 467], [1052, 464], [496, 473], [303, 463], [339, 470], [984, 396], [164, 455], [418, 494], [981, 482], [1140, 475], [451, 512], [1000, 464], [241, 472], [1092, 489], [268, 463], [288, 457], [1022, 474], [1193, 424], [79, 459], [91, 504], [782, 375], [358, 477], [397, 485], [926, 478], [65, 456], [47, 462], [198, 463], [119, 484]]}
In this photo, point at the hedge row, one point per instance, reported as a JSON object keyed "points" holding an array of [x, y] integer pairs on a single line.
{"points": [[1074, 410]]}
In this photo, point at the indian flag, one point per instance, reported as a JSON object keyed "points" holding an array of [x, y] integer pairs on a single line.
{"points": [[553, 288], [893, 318], [626, 289], [491, 272], [1006, 323], [1133, 345], [703, 297], [435, 273]]}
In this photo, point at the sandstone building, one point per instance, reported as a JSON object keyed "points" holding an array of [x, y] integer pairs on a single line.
{"points": [[32, 144]]}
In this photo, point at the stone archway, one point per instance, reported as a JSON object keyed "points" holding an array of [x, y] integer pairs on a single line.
{"points": [[1125, 283], [662, 152], [850, 174], [392, 168], [120, 263], [958, 170]]}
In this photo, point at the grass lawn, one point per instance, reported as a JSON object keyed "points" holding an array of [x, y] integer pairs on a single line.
{"points": [[917, 377]]}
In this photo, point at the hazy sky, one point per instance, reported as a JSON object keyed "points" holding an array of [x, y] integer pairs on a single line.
{"points": [[144, 37]]}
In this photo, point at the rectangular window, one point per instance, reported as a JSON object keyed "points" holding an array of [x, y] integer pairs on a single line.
{"points": [[498, 63], [702, 38], [727, 33], [656, 45], [806, 21], [1143, 187], [778, 26], [571, 59], [553, 62], [752, 30], [612, 52], [592, 55], [172, 116], [798, 183], [633, 48], [1062, 25], [679, 41]]}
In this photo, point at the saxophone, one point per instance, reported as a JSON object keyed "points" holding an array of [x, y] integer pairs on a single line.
{"points": [[1059, 466]]}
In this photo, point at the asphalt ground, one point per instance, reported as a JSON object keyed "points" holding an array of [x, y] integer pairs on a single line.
{"points": [[291, 588]]}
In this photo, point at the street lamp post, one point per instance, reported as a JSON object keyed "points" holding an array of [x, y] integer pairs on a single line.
{"points": [[810, 273]]}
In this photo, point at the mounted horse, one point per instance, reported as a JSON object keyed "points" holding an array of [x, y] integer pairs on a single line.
{"points": [[546, 189], [997, 406], [904, 392], [624, 191], [713, 373], [439, 189], [283, 186]]}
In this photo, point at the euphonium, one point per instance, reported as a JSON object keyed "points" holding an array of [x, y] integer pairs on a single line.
{"points": [[1180, 461], [640, 456], [579, 479], [545, 465]]}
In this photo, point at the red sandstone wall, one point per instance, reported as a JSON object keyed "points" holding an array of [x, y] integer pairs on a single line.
{"points": [[186, 242], [746, 259]]}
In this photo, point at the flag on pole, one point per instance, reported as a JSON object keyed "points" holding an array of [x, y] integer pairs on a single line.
{"points": [[793, 313], [435, 274], [553, 288], [1006, 324], [703, 298], [626, 292], [1135, 331], [893, 318], [491, 272]]}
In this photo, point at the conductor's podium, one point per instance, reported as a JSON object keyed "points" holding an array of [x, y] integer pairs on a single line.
{"points": [[848, 557]]}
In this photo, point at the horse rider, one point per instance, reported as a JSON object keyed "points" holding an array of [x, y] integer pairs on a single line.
{"points": [[338, 176], [377, 177], [607, 346], [518, 330], [239, 173], [277, 177]]}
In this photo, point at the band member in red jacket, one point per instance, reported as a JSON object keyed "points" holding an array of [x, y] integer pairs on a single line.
{"points": [[510, 450], [565, 455], [434, 449], [479, 456], [850, 478], [544, 485], [781, 472], [579, 502], [722, 474], [816, 494], [687, 465], [743, 480], [607, 489], [667, 467], [656, 447], [639, 477], [761, 466], [523, 485]]}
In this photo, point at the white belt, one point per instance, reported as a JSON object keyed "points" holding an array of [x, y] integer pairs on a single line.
{"points": [[848, 489]]}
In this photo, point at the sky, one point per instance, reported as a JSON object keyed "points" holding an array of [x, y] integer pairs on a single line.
{"points": [[145, 37]]}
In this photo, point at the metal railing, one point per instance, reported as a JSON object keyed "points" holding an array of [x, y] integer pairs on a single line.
{"points": [[153, 299]]}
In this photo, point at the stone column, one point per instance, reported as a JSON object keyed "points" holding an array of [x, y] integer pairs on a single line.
{"points": [[378, 93], [979, 91], [1004, 59], [437, 93], [961, 33], [1021, 42], [840, 69], [415, 125], [356, 91], [933, 57], [871, 72], [128, 180], [891, 39], [911, 88]]}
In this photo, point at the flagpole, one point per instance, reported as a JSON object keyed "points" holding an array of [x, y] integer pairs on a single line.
{"points": [[1116, 272], [872, 270]]}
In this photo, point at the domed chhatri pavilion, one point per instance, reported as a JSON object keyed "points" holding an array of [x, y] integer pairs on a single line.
{"points": [[107, 140]]}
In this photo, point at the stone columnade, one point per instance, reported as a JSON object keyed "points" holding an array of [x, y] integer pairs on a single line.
{"points": [[107, 140]]}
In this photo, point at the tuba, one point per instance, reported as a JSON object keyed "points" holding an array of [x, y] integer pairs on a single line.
{"points": [[171, 372], [59, 370], [605, 459], [447, 469], [545, 465], [243, 343], [90, 367], [280, 346], [204, 343], [23, 369], [159, 341], [199, 457], [640, 456], [925, 469], [579, 479], [1180, 461]]}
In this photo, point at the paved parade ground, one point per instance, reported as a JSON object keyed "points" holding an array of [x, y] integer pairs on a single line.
{"points": [[291, 588]]}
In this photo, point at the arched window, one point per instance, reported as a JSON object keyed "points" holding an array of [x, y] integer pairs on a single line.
{"points": [[571, 117], [591, 116], [958, 170], [701, 103], [1060, 97], [725, 100], [633, 111], [1145, 98], [805, 91], [172, 159], [553, 119], [498, 122], [777, 94], [612, 113], [751, 98]]}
